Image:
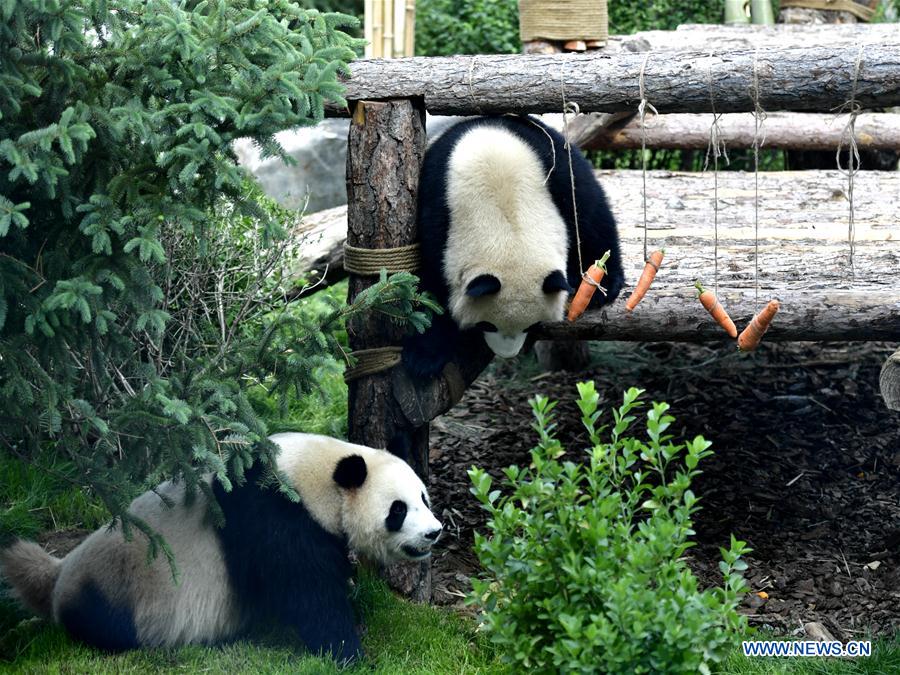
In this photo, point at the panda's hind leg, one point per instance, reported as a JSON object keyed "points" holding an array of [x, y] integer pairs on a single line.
{"points": [[91, 617]]}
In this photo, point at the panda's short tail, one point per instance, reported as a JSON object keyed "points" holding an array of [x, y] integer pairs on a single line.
{"points": [[32, 573]]}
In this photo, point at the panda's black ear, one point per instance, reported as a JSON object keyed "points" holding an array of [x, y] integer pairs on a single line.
{"points": [[350, 472], [483, 284], [556, 281]]}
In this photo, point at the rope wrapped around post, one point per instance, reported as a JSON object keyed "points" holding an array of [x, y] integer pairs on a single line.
{"points": [[370, 262]]}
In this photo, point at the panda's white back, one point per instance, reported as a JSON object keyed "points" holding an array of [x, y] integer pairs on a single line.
{"points": [[503, 222]]}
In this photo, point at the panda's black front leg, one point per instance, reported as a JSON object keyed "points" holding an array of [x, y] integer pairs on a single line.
{"points": [[426, 354], [329, 629]]}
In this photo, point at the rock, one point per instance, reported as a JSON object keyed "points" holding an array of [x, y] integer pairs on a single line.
{"points": [[319, 175]]}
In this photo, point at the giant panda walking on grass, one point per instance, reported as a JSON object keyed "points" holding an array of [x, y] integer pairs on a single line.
{"points": [[273, 561], [497, 228]]}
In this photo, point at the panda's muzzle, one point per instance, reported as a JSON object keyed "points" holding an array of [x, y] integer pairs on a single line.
{"points": [[416, 553]]}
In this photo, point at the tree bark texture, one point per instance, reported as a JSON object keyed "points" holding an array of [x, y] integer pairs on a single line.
{"points": [[803, 247], [793, 131], [810, 158], [385, 153], [388, 410], [810, 78], [890, 381], [803, 256]]}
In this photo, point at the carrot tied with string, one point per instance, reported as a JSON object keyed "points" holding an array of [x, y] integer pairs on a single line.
{"points": [[712, 305], [590, 282], [651, 267], [752, 335]]}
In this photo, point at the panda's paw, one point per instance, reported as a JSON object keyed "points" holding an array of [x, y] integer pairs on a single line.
{"points": [[421, 362]]}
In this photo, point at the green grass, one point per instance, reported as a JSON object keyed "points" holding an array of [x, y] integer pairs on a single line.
{"points": [[42, 496], [400, 638]]}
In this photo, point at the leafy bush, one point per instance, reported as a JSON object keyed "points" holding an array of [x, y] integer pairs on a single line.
{"points": [[584, 563], [141, 284], [447, 27]]}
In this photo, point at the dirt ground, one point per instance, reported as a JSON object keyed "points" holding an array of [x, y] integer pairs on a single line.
{"points": [[806, 468]]}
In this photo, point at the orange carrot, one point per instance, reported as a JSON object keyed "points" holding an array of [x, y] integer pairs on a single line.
{"points": [[647, 276], [711, 303], [759, 324], [590, 282]]}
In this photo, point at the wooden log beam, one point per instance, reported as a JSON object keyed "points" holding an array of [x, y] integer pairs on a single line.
{"points": [[890, 381], [822, 315], [792, 131], [802, 240], [815, 79]]}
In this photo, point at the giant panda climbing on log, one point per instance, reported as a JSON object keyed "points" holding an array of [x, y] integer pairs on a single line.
{"points": [[498, 235], [273, 561]]}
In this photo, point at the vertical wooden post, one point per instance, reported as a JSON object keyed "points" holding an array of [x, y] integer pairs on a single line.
{"points": [[386, 147], [890, 381]]}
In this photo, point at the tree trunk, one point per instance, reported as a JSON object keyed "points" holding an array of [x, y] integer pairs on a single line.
{"points": [[812, 78], [571, 356], [385, 152], [890, 381]]}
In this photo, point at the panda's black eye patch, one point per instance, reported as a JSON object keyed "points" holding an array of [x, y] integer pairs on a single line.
{"points": [[396, 516], [555, 282], [483, 284], [486, 326]]}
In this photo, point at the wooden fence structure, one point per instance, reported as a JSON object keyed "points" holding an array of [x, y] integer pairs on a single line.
{"points": [[802, 233]]}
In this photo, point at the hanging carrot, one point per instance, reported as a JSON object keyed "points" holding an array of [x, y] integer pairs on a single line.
{"points": [[752, 335], [590, 282], [650, 269], [712, 305]]}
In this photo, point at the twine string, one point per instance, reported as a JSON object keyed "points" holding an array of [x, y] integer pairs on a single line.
{"points": [[759, 139], [716, 148], [642, 112], [848, 137], [570, 108]]}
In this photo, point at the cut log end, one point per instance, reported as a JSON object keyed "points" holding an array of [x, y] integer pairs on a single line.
{"points": [[890, 381]]}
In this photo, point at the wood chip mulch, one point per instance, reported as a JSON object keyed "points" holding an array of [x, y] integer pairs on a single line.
{"points": [[806, 470]]}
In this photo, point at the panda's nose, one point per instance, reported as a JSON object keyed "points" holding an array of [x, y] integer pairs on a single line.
{"points": [[434, 534]]}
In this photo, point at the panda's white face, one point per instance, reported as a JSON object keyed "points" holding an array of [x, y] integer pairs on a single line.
{"points": [[507, 244], [370, 496], [387, 516]]}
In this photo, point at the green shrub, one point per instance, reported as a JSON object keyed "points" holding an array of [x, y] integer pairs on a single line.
{"points": [[584, 562], [447, 27]]}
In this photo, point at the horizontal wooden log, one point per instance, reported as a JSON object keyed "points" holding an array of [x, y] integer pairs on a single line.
{"points": [[674, 315], [803, 250], [712, 37], [792, 131], [815, 79]]}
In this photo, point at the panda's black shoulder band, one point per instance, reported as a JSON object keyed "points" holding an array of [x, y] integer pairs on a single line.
{"points": [[350, 472]]}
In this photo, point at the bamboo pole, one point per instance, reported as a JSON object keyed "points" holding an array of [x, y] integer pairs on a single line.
{"points": [[410, 29], [387, 50], [368, 19], [377, 28]]}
